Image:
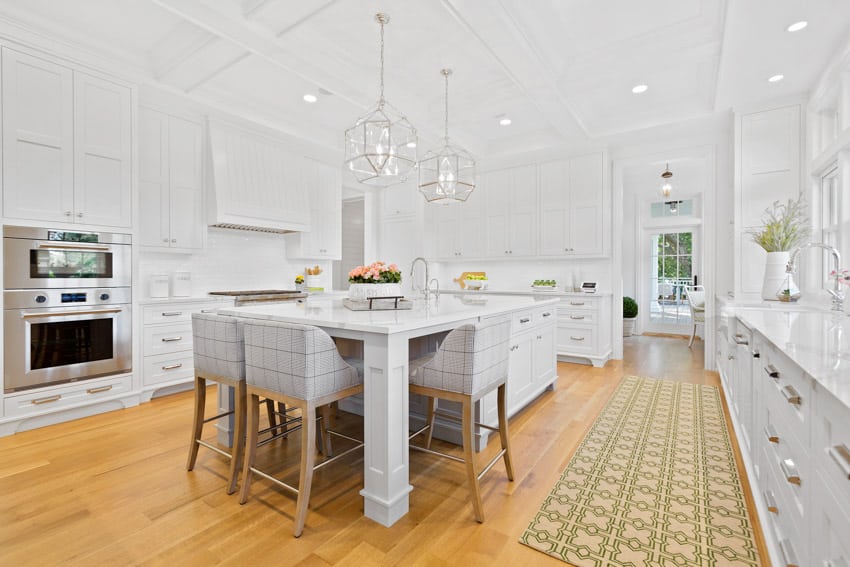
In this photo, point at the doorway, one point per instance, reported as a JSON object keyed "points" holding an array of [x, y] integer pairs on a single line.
{"points": [[671, 260]]}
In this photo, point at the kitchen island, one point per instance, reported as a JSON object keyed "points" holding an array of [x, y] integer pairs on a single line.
{"points": [[386, 337]]}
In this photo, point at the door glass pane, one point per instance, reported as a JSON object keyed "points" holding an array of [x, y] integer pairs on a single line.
{"points": [[672, 261]]}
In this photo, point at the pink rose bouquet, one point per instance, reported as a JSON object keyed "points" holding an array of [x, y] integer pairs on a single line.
{"points": [[377, 272]]}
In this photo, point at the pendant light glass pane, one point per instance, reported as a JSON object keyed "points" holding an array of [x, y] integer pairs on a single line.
{"points": [[380, 149], [447, 175]]}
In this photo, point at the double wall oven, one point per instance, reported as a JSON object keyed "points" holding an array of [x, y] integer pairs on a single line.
{"points": [[67, 306]]}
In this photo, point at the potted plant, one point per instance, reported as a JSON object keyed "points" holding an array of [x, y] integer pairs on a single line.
{"points": [[375, 280], [630, 312], [785, 227]]}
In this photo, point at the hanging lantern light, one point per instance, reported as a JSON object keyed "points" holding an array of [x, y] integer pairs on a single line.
{"points": [[666, 185], [447, 174], [380, 149]]}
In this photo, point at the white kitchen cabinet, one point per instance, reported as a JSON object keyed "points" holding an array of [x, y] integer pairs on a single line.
{"points": [[323, 240], [767, 169], [511, 212], [584, 328], [401, 200], [170, 182], [67, 140], [460, 230], [571, 206]]}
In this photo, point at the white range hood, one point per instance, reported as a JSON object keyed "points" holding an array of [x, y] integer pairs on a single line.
{"points": [[257, 182]]}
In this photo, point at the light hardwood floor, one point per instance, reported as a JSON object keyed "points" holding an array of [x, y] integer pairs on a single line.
{"points": [[112, 489]]}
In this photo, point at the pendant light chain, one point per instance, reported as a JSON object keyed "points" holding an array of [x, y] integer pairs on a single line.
{"points": [[382, 19]]}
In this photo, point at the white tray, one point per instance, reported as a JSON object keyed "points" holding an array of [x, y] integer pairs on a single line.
{"points": [[377, 304], [544, 287]]}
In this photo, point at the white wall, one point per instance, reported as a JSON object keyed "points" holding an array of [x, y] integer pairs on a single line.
{"points": [[519, 274]]}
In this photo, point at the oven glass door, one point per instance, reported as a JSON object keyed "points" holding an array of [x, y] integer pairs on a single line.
{"points": [[42, 264], [50, 346], [51, 262]]}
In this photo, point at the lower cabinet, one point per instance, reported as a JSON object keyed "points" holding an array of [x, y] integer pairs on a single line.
{"points": [[167, 358], [584, 328]]}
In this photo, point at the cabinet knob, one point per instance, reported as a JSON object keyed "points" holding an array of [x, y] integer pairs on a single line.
{"points": [[67, 213], [165, 240], [174, 240], [79, 215]]}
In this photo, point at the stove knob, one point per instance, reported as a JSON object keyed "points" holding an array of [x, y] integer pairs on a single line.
{"points": [[40, 298], [104, 296]]}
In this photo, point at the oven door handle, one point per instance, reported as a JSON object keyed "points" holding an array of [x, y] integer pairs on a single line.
{"points": [[66, 313], [85, 247]]}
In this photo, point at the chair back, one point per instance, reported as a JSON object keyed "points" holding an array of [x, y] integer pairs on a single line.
{"points": [[471, 358], [696, 301], [218, 345], [300, 361]]}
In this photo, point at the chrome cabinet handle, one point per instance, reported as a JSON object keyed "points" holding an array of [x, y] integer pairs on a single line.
{"points": [[838, 562], [208, 310], [525, 320], [756, 354], [771, 434], [547, 314], [792, 396], [79, 215], [75, 246], [770, 501], [172, 366], [576, 302], [172, 313], [576, 338], [789, 469], [47, 400], [174, 240], [67, 313], [577, 317], [99, 389], [841, 455], [788, 553], [772, 371], [67, 213], [740, 340], [171, 339], [165, 240]]}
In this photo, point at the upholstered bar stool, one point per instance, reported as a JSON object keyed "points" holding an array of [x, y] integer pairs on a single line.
{"points": [[219, 356], [471, 362], [300, 366]]}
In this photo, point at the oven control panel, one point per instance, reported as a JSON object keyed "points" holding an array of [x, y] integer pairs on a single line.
{"points": [[25, 299]]}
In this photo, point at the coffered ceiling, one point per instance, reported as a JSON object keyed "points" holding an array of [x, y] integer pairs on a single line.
{"points": [[561, 70]]}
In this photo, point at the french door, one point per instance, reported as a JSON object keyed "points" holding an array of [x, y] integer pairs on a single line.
{"points": [[672, 260]]}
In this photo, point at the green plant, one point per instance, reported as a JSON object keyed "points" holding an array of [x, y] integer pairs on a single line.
{"points": [[786, 226], [630, 308]]}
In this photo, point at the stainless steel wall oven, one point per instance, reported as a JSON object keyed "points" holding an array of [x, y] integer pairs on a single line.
{"points": [[67, 306]]}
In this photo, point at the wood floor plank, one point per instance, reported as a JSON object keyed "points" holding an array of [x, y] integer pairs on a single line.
{"points": [[112, 489]]}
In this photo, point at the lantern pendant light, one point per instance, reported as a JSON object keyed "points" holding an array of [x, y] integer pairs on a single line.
{"points": [[447, 174], [666, 186], [380, 149]]}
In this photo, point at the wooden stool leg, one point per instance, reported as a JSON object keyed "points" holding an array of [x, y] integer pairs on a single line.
{"points": [[253, 426], [238, 449], [430, 418], [197, 420], [308, 460], [327, 448], [272, 416], [503, 429], [281, 409], [468, 425]]}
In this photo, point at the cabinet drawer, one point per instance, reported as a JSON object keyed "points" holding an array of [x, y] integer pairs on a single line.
{"points": [[583, 303], [830, 526], [575, 317], [788, 461], [68, 395], [831, 443], [175, 312], [790, 529], [576, 339], [168, 368], [521, 321], [785, 385], [543, 315], [165, 339]]}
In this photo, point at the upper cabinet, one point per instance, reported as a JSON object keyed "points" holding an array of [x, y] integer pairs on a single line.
{"points": [[511, 205], [170, 181], [323, 184], [459, 228], [67, 140], [571, 206], [401, 200]]}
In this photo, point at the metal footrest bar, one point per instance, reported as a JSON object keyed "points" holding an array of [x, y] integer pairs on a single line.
{"points": [[489, 466], [438, 453], [274, 480], [424, 428], [336, 457], [213, 448], [219, 416], [459, 420]]}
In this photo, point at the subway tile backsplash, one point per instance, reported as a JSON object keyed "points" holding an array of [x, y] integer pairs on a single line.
{"points": [[232, 260]]}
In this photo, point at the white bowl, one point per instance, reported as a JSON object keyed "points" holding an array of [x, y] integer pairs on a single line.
{"points": [[476, 284]]}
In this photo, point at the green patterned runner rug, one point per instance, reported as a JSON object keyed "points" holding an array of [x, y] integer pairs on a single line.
{"points": [[653, 483]]}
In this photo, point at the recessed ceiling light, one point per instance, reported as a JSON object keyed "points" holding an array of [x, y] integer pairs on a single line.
{"points": [[310, 98], [637, 89], [505, 121], [797, 26], [776, 78]]}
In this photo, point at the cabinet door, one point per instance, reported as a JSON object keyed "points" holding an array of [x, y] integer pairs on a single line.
{"points": [[446, 222], [102, 151], [38, 137], [585, 214], [497, 190], [523, 211], [330, 181], [520, 371], [154, 205], [403, 199], [186, 182], [470, 231], [545, 357], [554, 202]]}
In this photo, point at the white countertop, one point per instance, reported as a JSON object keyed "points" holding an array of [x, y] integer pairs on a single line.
{"points": [[529, 291], [819, 342], [192, 299], [330, 312]]}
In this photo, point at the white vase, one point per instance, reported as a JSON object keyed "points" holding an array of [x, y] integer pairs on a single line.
{"points": [[629, 326], [361, 291], [774, 274]]}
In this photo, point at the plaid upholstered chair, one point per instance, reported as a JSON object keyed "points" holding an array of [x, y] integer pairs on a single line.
{"points": [[471, 362], [300, 366], [219, 356]]}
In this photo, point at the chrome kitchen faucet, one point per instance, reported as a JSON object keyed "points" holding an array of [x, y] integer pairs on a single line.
{"points": [[837, 294]]}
